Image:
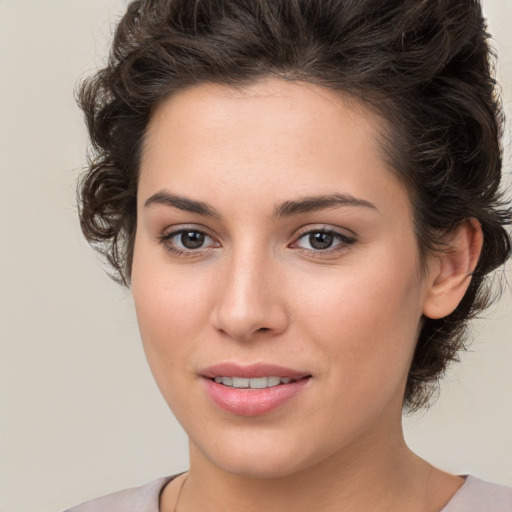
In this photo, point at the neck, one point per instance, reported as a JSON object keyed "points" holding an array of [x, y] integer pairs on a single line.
{"points": [[373, 476]]}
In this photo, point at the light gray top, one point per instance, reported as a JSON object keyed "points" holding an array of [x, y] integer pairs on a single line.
{"points": [[479, 496], [474, 496]]}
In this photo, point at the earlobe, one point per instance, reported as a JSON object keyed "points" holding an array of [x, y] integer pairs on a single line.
{"points": [[450, 274]]}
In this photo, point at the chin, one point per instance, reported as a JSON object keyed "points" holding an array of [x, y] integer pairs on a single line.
{"points": [[259, 467], [267, 456]]}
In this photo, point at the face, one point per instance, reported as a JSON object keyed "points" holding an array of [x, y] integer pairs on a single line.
{"points": [[275, 275]]}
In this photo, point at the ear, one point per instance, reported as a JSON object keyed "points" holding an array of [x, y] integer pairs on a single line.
{"points": [[450, 271]]}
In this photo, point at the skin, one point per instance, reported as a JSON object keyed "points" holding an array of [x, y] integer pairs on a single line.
{"points": [[257, 291]]}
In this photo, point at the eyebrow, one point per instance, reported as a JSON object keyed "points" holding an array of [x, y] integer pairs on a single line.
{"points": [[284, 209], [315, 203], [182, 203]]}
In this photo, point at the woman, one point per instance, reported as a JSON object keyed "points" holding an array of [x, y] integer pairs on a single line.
{"points": [[304, 200]]}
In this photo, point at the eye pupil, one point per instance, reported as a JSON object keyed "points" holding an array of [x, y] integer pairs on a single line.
{"points": [[321, 240], [192, 239]]}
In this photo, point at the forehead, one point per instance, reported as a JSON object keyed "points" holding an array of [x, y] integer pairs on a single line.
{"points": [[269, 138], [261, 111]]}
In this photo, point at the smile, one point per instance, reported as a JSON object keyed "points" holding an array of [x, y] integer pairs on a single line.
{"points": [[252, 383]]}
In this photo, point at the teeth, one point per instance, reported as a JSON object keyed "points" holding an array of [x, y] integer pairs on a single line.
{"points": [[258, 383], [240, 382], [254, 383]]}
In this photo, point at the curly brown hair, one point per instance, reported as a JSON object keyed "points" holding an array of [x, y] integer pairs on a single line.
{"points": [[424, 66]]}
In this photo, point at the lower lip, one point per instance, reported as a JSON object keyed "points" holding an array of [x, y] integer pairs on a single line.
{"points": [[252, 402]]}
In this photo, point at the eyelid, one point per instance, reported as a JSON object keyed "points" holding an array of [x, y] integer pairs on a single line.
{"points": [[344, 233], [180, 228]]}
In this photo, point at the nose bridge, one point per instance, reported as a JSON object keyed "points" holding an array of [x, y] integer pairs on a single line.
{"points": [[249, 300]]}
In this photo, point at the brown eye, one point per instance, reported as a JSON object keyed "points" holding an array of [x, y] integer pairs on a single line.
{"points": [[187, 240], [320, 240], [192, 239]]}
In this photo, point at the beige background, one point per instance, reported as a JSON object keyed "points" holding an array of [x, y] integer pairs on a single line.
{"points": [[80, 415]]}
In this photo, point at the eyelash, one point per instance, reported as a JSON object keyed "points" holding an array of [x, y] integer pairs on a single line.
{"points": [[342, 239], [166, 240]]}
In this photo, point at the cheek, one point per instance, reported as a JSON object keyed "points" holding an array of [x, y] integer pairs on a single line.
{"points": [[365, 318], [171, 311], [166, 304]]}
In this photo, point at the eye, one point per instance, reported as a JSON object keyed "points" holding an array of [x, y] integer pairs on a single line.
{"points": [[187, 240], [323, 240]]}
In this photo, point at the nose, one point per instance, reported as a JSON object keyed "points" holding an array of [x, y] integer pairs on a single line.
{"points": [[250, 301]]}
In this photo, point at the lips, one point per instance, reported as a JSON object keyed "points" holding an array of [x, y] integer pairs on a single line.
{"points": [[252, 390]]}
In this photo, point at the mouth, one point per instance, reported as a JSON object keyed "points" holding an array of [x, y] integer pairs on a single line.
{"points": [[253, 390]]}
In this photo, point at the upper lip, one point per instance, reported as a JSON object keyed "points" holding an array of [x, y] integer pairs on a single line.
{"points": [[250, 371]]}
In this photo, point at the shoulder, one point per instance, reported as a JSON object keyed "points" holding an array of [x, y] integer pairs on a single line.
{"points": [[136, 499], [480, 496]]}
